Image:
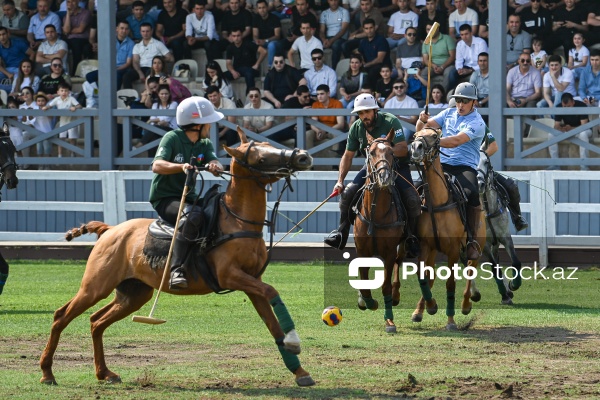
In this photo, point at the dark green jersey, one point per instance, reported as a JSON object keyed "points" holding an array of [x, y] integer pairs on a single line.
{"points": [[176, 147], [357, 137]]}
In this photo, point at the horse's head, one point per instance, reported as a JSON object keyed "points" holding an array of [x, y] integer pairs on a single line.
{"points": [[426, 145], [380, 159], [484, 169], [8, 166], [267, 162]]}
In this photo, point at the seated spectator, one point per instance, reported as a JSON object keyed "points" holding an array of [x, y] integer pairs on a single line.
{"points": [[443, 55], [593, 22], [539, 56], [429, 15], [352, 81], [257, 123], [76, 30], [169, 27], [214, 76], [300, 12], [438, 97], [523, 84], [16, 21], [36, 33], [481, 80], [243, 59], [399, 21], [138, 18], [281, 82], [384, 88], [200, 32], [416, 85], [158, 68], [324, 101], [163, 122], [50, 48], [462, 15], [236, 17], [366, 11], [304, 45], [334, 23], [49, 83], [301, 99], [578, 55], [517, 41], [537, 20], [375, 51], [589, 84], [150, 94], [567, 20], [320, 74], [566, 123], [409, 51], [401, 100], [25, 78], [557, 81], [12, 52], [227, 135], [266, 30], [467, 53], [65, 101]]}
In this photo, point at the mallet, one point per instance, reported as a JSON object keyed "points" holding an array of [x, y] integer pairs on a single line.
{"points": [[149, 319], [432, 32]]}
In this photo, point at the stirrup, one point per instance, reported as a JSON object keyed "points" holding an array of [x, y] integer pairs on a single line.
{"points": [[412, 246], [520, 223], [178, 280], [476, 248], [338, 237]]}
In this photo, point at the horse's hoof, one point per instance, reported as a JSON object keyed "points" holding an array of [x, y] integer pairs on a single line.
{"points": [[292, 348], [395, 302], [375, 305], [113, 379], [466, 311], [390, 327], [361, 304], [476, 297], [507, 301], [433, 310], [451, 327], [305, 381], [416, 317], [50, 382]]}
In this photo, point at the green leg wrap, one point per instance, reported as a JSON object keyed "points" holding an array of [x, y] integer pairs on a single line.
{"points": [[370, 303], [3, 278], [388, 314], [292, 362], [516, 282], [285, 320], [425, 289], [450, 304]]}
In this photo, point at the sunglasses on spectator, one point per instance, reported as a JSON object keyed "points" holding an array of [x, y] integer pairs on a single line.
{"points": [[56, 65], [411, 34], [525, 61], [317, 58], [399, 87], [462, 100], [278, 62], [253, 96]]}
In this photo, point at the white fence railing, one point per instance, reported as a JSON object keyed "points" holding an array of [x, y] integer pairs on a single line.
{"points": [[114, 205]]}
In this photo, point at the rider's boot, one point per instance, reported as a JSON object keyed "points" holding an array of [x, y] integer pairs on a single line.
{"points": [[180, 252], [514, 198], [338, 238], [412, 203], [473, 220]]}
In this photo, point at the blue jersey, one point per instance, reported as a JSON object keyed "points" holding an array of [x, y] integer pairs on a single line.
{"points": [[467, 154]]}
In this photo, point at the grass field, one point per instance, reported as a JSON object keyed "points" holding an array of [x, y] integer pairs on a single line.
{"points": [[545, 346]]}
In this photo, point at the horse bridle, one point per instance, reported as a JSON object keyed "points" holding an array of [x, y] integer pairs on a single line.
{"points": [[284, 170], [431, 152], [374, 168]]}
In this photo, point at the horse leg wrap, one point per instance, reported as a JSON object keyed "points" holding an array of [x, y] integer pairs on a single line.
{"points": [[3, 278], [450, 304], [291, 361], [282, 314], [499, 282], [369, 302], [388, 313], [425, 289]]}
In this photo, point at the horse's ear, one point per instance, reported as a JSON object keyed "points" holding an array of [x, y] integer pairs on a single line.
{"points": [[242, 135], [390, 136], [369, 137], [235, 153]]}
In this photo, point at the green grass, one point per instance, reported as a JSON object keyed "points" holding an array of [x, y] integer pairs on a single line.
{"points": [[546, 345]]}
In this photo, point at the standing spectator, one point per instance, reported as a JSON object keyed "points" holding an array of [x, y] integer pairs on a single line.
{"points": [[305, 45], [64, 101], [214, 76], [523, 84], [49, 83], [16, 21], [12, 52], [236, 17], [481, 80], [467, 52], [537, 20], [25, 78], [335, 22], [320, 74], [557, 80], [402, 100], [76, 27], [137, 19], [462, 15], [228, 135], [51, 48], [352, 81], [257, 123], [242, 60], [367, 11], [375, 51], [171, 27], [164, 122], [300, 12], [36, 32], [200, 32], [589, 80], [578, 55], [399, 21], [517, 40], [567, 20], [281, 82], [143, 53], [324, 101], [430, 15], [266, 30], [566, 123], [443, 55], [409, 51]]}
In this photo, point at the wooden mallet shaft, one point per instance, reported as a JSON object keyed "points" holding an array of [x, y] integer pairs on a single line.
{"points": [[428, 40]]}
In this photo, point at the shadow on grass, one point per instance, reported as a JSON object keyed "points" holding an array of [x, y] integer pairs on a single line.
{"points": [[568, 308], [25, 312], [299, 393]]}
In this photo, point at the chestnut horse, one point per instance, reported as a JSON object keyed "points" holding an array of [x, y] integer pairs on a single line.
{"points": [[378, 228], [117, 262], [441, 230], [8, 177]]}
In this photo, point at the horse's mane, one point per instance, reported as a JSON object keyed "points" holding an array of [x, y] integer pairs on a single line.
{"points": [[96, 227]]}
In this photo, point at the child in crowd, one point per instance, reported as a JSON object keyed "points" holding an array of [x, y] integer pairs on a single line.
{"points": [[44, 125], [538, 57], [65, 101], [383, 89], [27, 95], [578, 55], [15, 133]]}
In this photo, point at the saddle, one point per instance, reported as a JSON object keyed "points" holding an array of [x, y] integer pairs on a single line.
{"points": [[458, 197], [396, 203], [160, 234]]}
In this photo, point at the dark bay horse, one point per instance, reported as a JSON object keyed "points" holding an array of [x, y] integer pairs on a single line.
{"points": [[378, 228], [440, 227], [8, 177], [498, 233], [117, 263]]}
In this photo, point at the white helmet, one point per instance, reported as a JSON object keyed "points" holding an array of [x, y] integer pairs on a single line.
{"points": [[196, 110], [365, 101]]}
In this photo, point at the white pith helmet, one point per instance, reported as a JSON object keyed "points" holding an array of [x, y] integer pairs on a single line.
{"points": [[365, 101], [196, 110]]}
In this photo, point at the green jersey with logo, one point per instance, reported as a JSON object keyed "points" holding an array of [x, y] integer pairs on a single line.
{"points": [[176, 147], [357, 137]]}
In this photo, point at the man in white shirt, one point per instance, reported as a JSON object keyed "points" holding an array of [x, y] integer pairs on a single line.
{"points": [[402, 100], [227, 135], [305, 44], [557, 81], [51, 48], [467, 52], [462, 15], [257, 123], [320, 74], [399, 21], [200, 32]]}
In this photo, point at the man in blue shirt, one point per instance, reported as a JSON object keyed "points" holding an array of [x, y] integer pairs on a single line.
{"points": [[137, 18], [589, 80], [37, 24], [375, 50], [12, 52], [463, 130]]}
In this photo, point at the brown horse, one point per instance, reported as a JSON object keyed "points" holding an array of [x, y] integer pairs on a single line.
{"points": [[117, 262], [440, 230], [378, 228]]}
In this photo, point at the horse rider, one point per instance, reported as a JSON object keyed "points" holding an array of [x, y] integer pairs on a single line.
{"points": [[377, 124], [463, 131], [171, 165]]}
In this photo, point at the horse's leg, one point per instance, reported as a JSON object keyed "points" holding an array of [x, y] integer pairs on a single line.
{"points": [[3, 272], [386, 290], [425, 285], [130, 296], [365, 298], [274, 313], [466, 306], [515, 283], [396, 284], [451, 300]]}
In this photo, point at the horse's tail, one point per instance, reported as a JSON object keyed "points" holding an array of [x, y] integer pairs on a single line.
{"points": [[96, 227]]}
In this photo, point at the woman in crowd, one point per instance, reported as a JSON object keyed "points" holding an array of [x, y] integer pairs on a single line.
{"points": [[49, 83], [214, 76], [352, 81], [166, 123], [25, 78], [438, 97]]}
